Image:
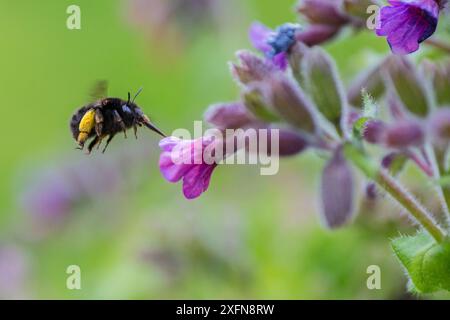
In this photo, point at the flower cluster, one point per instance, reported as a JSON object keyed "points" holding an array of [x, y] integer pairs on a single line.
{"points": [[297, 89]]}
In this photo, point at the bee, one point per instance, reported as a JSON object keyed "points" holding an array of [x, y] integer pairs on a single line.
{"points": [[105, 117]]}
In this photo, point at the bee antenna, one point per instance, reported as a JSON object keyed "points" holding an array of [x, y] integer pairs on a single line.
{"points": [[129, 97], [137, 93]]}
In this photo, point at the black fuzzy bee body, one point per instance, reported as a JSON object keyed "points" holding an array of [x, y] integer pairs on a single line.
{"points": [[105, 118]]}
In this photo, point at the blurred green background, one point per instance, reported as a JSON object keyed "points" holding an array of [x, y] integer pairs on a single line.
{"points": [[133, 234]]}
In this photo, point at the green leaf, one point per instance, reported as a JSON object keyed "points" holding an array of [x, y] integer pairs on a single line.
{"points": [[426, 261], [359, 126]]}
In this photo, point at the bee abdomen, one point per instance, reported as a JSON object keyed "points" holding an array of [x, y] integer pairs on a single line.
{"points": [[76, 119]]}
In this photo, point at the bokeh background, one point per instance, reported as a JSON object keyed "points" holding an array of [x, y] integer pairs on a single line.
{"points": [[133, 235]]}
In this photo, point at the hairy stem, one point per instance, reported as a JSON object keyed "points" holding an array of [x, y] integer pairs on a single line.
{"points": [[422, 164], [442, 171], [395, 190], [391, 186]]}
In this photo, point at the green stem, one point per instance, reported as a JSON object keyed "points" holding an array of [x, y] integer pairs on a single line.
{"points": [[410, 204], [442, 171], [395, 190]]}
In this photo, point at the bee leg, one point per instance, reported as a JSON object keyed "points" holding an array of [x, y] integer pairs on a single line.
{"points": [[99, 142], [118, 119], [93, 143], [111, 136], [135, 130], [98, 122]]}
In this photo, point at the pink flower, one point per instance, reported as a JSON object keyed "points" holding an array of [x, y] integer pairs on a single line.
{"points": [[185, 160]]}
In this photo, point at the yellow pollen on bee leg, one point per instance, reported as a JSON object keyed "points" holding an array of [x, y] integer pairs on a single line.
{"points": [[82, 137], [87, 123]]}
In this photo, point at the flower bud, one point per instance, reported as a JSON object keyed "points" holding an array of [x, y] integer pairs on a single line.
{"points": [[324, 85], [291, 103], [228, 115], [317, 34], [408, 85], [337, 191], [404, 134], [323, 12], [251, 68], [296, 55], [371, 191], [290, 142], [374, 131], [394, 162]]}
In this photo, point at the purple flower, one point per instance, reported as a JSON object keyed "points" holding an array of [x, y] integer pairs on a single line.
{"points": [[374, 131], [317, 34], [404, 134], [184, 159], [407, 23], [274, 43]]}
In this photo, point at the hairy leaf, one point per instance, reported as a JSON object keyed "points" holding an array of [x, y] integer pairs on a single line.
{"points": [[427, 262]]}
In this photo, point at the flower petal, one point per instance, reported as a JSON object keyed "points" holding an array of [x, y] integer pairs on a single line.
{"points": [[280, 60], [196, 181], [259, 35], [408, 23], [172, 172], [167, 144]]}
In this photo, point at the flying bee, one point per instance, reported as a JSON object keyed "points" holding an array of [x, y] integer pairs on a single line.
{"points": [[106, 117]]}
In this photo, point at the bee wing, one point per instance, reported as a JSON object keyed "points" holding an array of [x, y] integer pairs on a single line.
{"points": [[99, 90]]}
